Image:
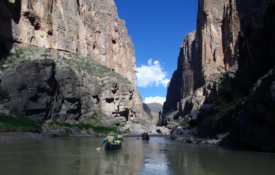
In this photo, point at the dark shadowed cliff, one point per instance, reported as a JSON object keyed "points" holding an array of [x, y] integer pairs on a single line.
{"points": [[237, 37]]}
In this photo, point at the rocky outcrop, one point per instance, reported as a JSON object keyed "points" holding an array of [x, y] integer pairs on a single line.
{"points": [[66, 88], [90, 28], [254, 127]]}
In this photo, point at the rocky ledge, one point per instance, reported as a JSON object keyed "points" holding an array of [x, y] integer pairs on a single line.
{"points": [[185, 135]]}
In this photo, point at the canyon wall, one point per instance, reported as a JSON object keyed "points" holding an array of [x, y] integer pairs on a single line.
{"points": [[90, 28], [239, 36], [186, 77], [212, 48], [217, 32], [254, 126]]}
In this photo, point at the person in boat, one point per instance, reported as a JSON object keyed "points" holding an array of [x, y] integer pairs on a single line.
{"points": [[110, 138], [118, 138], [143, 135], [146, 134]]}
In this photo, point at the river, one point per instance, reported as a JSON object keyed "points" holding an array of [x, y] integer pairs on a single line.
{"points": [[78, 156]]}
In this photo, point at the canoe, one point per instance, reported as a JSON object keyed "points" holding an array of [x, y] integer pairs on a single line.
{"points": [[145, 138], [109, 147]]}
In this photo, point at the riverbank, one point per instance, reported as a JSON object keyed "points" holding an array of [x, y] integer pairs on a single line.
{"points": [[21, 136], [6, 137]]}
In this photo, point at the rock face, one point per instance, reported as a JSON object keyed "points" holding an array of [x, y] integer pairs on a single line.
{"points": [[90, 28], [230, 32], [42, 90], [205, 52], [147, 110], [217, 33], [187, 76], [254, 127], [155, 109], [257, 39]]}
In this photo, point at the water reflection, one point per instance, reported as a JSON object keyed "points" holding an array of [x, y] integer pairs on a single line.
{"points": [[71, 156]]}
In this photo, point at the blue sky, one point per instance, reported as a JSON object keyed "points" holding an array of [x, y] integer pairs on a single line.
{"points": [[157, 29]]}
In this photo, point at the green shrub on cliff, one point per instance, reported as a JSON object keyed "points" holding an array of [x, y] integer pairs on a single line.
{"points": [[21, 87], [3, 93], [24, 124], [83, 126], [229, 96]]}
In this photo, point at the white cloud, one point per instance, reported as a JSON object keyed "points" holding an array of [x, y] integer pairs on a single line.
{"points": [[155, 99], [152, 74], [150, 62]]}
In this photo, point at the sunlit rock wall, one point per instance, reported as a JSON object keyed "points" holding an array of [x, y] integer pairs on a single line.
{"points": [[217, 33], [90, 28], [212, 48]]}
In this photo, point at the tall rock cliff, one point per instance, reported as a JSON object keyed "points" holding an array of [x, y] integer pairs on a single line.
{"points": [[90, 28], [254, 126], [212, 48], [187, 76], [217, 32], [239, 36]]}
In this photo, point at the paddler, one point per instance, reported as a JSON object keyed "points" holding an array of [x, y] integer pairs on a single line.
{"points": [[118, 138], [110, 138], [143, 135]]}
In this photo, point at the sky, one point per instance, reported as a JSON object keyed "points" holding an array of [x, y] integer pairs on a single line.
{"points": [[157, 29]]}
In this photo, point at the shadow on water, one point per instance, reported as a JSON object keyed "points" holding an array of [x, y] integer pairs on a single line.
{"points": [[10, 15]]}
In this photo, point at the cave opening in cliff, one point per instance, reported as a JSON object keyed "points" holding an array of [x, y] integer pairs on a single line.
{"points": [[96, 98], [114, 91], [109, 100], [125, 114]]}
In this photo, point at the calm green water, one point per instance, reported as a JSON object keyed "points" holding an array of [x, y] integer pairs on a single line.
{"points": [[78, 156]]}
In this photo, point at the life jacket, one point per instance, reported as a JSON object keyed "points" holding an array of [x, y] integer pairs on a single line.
{"points": [[117, 138], [110, 139]]}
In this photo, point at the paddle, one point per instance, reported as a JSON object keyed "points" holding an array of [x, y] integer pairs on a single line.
{"points": [[98, 149]]}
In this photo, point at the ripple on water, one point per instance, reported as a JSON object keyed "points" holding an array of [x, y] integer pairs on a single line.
{"points": [[71, 156]]}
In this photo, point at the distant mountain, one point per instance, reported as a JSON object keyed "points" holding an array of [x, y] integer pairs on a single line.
{"points": [[155, 108]]}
